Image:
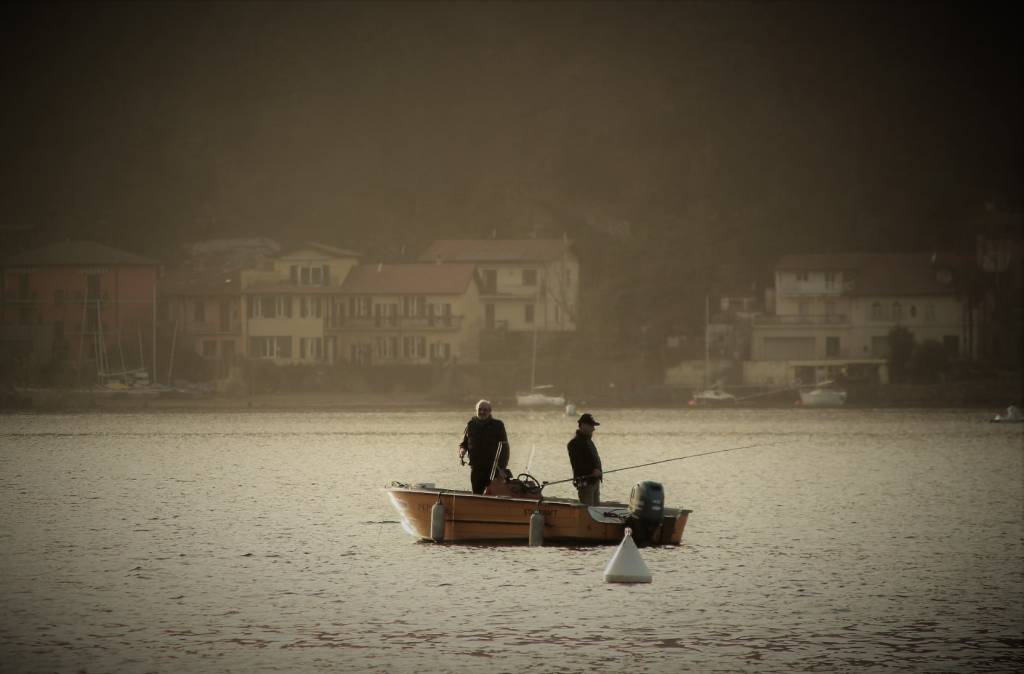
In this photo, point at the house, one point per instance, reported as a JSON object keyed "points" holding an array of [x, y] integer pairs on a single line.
{"points": [[257, 299], [408, 314], [525, 284], [833, 314], [79, 303], [288, 307]]}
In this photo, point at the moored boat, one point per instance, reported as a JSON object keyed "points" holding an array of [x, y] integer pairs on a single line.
{"points": [[470, 517], [1013, 416], [823, 397], [537, 399]]}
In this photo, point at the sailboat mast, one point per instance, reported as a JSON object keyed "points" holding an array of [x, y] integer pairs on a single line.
{"points": [[707, 332], [533, 364]]}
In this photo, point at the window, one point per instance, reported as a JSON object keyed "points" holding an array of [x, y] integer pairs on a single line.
{"points": [[951, 345], [912, 311], [316, 276], [311, 348], [294, 275], [831, 347], [880, 347], [830, 279], [897, 311], [801, 275], [199, 311], [440, 350], [305, 276], [528, 313], [270, 347], [529, 277], [929, 312], [877, 313], [414, 306], [489, 316]]}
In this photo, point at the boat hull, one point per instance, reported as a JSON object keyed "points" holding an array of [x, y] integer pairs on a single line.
{"points": [[823, 398], [539, 400], [477, 518]]}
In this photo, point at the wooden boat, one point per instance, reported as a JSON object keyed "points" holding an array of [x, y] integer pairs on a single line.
{"points": [[470, 517]]}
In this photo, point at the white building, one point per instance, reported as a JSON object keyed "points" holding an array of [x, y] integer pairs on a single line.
{"points": [[833, 313]]}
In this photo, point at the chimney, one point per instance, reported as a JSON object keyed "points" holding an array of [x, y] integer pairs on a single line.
{"points": [[437, 259], [380, 267]]}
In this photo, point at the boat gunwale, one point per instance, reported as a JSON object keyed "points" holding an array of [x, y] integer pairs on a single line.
{"points": [[554, 500]]}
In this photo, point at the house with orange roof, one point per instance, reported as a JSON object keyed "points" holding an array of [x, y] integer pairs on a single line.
{"points": [[408, 314]]}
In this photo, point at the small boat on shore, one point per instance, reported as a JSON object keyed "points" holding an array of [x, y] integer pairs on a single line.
{"points": [[1013, 416], [825, 394], [540, 396], [471, 518]]}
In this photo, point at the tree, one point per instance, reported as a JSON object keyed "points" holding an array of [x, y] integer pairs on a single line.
{"points": [[929, 362]]}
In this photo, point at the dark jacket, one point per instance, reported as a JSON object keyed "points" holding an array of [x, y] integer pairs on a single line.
{"points": [[481, 439], [583, 455]]}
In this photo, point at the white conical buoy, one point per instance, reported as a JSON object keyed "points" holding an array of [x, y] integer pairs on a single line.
{"points": [[437, 522], [626, 565], [536, 529]]}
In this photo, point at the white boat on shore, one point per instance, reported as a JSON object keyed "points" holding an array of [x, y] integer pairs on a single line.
{"points": [[1013, 416], [538, 397], [712, 397], [823, 395]]}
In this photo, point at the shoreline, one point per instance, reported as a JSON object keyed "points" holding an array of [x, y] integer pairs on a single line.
{"points": [[62, 401]]}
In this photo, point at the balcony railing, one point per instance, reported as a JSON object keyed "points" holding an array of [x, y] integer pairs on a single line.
{"points": [[797, 319], [441, 323]]}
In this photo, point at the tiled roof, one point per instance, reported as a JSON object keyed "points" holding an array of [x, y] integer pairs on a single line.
{"points": [[322, 247], [886, 273], [493, 250], [409, 279], [76, 253]]}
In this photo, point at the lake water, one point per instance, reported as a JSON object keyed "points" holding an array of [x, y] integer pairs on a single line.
{"points": [[258, 542]]}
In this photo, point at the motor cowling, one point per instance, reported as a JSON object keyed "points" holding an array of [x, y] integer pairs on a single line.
{"points": [[646, 507]]}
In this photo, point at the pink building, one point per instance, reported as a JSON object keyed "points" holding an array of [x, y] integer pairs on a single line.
{"points": [[81, 304]]}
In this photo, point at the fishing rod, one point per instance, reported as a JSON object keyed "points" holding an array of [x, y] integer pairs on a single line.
{"points": [[678, 458]]}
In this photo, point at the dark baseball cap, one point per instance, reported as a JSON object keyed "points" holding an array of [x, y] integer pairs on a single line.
{"points": [[588, 419]]}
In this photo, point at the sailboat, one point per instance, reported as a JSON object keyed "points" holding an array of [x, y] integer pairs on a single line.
{"points": [[714, 395], [539, 395]]}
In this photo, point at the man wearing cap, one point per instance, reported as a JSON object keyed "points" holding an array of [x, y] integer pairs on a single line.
{"points": [[483, 437], [586, 464]]}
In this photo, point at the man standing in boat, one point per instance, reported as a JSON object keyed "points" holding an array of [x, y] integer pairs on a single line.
{"points": [[481, 439], [586, 464]]}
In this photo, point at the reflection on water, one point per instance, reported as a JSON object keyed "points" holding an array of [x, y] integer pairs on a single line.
{"points": [[261, 542]]}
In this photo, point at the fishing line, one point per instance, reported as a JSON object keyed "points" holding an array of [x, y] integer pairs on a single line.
{"points": [[677, 458]]}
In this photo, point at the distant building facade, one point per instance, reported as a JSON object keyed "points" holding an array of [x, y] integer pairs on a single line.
{"points": [[257, 301], [408, 314], [525, 284], [80, 303], [833, 314]]}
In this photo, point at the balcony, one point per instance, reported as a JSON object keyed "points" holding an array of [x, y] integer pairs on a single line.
{"points": [[797, 319], [393, 323]]}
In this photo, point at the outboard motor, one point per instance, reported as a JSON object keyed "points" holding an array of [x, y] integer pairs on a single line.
{"points": [[646, 506]]}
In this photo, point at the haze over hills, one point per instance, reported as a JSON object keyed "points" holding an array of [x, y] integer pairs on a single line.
{"points": [[663, 138]]}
